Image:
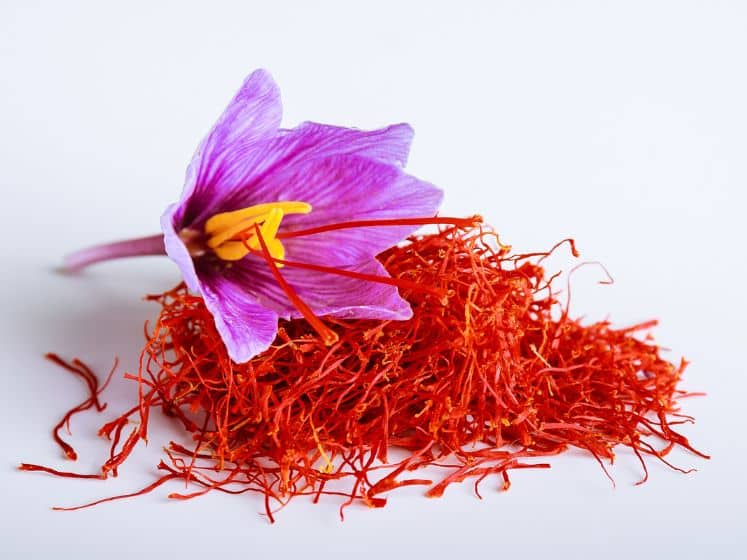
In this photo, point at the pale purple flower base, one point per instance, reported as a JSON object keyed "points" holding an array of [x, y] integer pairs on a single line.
{"points": [[152, 245]]}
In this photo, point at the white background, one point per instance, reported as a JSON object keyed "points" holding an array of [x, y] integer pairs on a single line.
{"points": [[622, 124]]}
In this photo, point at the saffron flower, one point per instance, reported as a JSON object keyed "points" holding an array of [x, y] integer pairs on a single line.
{"points": [[276, 223]]}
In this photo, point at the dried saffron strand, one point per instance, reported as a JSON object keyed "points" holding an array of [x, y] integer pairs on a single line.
{"points": [[480, 381], [162, 480], [354, 224], [82, 370], [40, 468], [328, 335], [399, 282]]}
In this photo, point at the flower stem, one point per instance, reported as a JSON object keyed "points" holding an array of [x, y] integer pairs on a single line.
{"points": [[152, 245]]}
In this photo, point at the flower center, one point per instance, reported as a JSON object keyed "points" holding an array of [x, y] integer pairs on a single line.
{"points": [[233, 235]]}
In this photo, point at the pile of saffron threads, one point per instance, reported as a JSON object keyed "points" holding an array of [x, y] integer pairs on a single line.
{"points": [[489, 375]]}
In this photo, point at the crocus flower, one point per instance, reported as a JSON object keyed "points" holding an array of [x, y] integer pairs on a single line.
{"points": [[282, 223]]}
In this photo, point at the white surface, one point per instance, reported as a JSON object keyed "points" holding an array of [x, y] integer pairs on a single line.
{"points": [[620, 124]]}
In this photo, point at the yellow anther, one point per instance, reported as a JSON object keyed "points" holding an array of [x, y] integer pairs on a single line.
{"points": [[236, 250], [232, 235], [231, 251], [272, 223], [227, 219]]}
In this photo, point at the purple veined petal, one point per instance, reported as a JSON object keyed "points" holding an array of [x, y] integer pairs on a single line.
{"points": [[386, 145], [246, 327], [325, 293], [242, 179], [177, 251], [346, 188], [252, 115]]}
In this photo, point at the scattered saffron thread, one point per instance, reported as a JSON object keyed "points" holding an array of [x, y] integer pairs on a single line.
{"points": [[82, 370]]}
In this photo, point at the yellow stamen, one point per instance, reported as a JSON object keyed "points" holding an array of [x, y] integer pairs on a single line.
{"points": [[231, 235], [227, 219]]}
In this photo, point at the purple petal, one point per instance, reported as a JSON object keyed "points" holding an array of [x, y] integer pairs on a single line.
{"points": [[325, 293], [242, 186], [177, 251], [246, 327], [387, 145], [343, 189], [252, 115]]}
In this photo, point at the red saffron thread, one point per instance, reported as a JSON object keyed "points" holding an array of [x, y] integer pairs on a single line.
{"points": [[82, 370], [491, 374], [39, 468], [353, 224], [328, 335], [399, 282]]}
